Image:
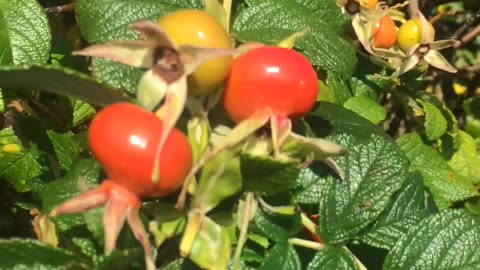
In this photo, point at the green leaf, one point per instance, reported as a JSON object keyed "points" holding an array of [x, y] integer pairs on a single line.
{"points": [[81, 177], [374, 169], [66, 149], [220, 179], [333, 258], [282, 256], [268, 175], [406, 210], [448, 240], [270, 21], [369, 86], [435, 122], [465, 160], [446, 185], [25, 36], [367, 108], [29, 254], [338, 89], [86, 246], [103, 20], [309, 187], [278, 227], [117, 75], [61, 81], [17, 164], [131, 259], [211, 248], [82, 111], [452, 123]]}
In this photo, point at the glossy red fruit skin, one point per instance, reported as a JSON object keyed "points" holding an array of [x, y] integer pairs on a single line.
{"points": [[270, 78], [124, 139]]}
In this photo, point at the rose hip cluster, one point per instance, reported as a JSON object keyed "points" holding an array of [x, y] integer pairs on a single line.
{"points": [[277, 83]]}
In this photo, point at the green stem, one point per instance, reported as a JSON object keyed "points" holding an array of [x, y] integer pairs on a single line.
{"points": [[307, 244], [242, 238], [308, 223]]}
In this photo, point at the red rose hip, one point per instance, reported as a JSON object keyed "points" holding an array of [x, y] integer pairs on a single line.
{"points": [[124, 139], [276, 80]]}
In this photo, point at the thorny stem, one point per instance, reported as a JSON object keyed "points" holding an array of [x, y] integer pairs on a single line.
{"points": [[242, 238], [59, 9]]}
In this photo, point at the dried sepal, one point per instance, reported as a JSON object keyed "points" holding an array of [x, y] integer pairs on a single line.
{"points": [[436, 59], [406, 65], [171, 110], [443, 44], [151, 31], [120, 205], [388, 53], [192, 57], [363, 32], [133, 53], [44, 228], [428, 33], [281, 127]]}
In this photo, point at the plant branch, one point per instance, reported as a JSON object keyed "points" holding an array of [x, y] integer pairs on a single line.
{"points": [[413, 9], [468, 37], [465, 25], [242, 238], [59, 9]]}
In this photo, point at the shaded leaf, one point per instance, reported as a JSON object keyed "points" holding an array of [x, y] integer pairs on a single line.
{"points": [[66, 149], [268, 175], [339, 88], [61, 81], [18, 165], [333, 258], [30, 254], [278, 227], [81, 177], [82, 111], [282, 256]]}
